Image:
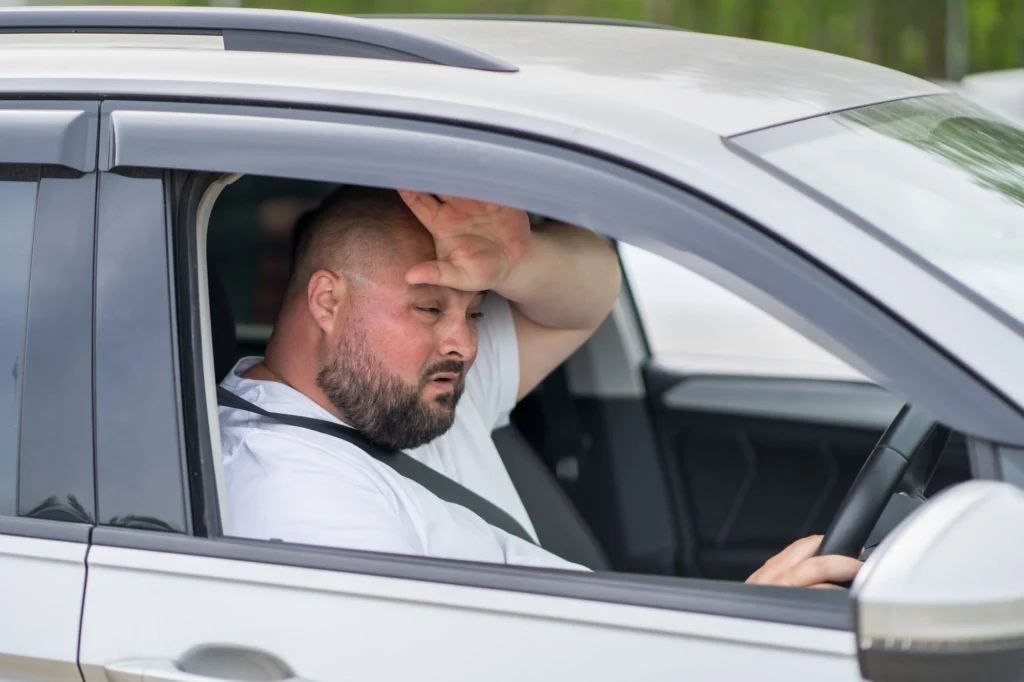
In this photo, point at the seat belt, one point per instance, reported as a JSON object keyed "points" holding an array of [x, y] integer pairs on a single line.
{"points": [[404, 465]]}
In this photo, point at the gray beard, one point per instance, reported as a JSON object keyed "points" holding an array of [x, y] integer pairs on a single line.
{"points": [[379, 404]]}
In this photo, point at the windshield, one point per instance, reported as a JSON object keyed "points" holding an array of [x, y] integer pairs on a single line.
{"points": [[940, 175]]}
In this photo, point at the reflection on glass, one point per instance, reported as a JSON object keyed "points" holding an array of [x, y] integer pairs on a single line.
{"points": [[940, 175], [71, 510], [18, 207]]}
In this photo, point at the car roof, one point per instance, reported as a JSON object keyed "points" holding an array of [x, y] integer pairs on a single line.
{"points": [[723, 84], [578, 73]]}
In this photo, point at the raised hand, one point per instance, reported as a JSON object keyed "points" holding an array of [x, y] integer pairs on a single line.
{"points": [[477, 244]]}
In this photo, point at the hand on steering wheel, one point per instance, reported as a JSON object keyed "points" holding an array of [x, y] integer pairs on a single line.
{"points": [[902, 462], [797, 566]]}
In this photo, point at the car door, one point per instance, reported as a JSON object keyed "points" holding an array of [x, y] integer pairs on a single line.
{"points": [[761, 432], [171, 596], [47, 505]]}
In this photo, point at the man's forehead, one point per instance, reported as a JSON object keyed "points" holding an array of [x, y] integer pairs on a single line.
{"points": [[437, 289]]}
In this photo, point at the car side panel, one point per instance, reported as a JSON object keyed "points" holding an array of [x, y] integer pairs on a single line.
{"points": [[329, 625], [41, 597]]}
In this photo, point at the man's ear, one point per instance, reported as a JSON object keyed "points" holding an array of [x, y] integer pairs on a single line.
{"points": [[326, 293]]}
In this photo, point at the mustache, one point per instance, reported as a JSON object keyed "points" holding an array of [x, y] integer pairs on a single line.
{"points": [[453, 366]]}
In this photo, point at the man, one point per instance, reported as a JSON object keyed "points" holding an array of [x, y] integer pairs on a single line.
{"points": [[420, 322]]}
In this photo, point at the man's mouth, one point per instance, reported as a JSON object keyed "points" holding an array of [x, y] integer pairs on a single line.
{"points": [[444, 379]]}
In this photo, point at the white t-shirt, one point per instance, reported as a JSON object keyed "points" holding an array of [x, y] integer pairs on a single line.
{"points": [[307, 487]]}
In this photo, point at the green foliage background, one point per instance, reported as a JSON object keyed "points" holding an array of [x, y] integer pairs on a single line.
{"points": [[910, 35]]}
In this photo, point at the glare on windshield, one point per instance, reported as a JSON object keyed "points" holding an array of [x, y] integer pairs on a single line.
{"points": [[940, 175]]}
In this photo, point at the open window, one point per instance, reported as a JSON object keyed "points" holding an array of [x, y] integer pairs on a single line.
{"points": [[694, 435]]}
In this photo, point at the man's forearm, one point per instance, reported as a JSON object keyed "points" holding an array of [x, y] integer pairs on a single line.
{"points": [[569, 278]]}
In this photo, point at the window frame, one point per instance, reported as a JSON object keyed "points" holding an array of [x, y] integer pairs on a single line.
{"points": [[550, 179], [56, 142]]}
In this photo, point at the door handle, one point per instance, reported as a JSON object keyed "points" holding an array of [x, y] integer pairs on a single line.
{"points": [[239, 664]]}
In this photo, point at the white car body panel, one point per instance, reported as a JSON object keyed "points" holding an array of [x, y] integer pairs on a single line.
{"points": [[329, 625], [40, 602], [723, 85]]}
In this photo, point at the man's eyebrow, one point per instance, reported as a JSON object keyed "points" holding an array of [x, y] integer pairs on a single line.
{"points": [[431, 287]]}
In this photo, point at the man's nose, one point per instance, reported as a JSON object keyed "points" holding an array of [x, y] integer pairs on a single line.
{"points": [[458, 340]]}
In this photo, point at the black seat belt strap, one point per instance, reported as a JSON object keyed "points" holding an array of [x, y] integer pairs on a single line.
{"points": [[436, 482]]}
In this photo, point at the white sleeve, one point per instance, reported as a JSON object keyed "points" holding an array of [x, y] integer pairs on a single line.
{"points": [[304, 503], [493, 382]]}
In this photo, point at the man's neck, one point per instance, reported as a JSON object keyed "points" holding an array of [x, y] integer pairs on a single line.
{"points": [[261, 372]]}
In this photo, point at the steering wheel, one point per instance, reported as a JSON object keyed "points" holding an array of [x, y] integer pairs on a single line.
{"points": [[902, 462]]}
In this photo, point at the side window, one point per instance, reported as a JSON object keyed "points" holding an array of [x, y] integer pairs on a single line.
{"points": [[18, 202], [693, 324]]}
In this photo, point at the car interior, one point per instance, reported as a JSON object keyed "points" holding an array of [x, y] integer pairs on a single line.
{"points": [[624, 462]]}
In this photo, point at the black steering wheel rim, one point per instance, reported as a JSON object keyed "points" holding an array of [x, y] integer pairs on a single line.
{"points": [[902, 461]]}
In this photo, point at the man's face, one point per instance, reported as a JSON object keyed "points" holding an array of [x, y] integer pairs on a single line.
{"points": [[400, 362]]}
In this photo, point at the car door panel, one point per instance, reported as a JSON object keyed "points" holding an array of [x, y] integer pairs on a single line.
{"points": [[755, 463], [41, 593], [323, 624]]}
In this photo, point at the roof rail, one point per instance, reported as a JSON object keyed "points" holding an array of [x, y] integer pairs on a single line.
{"points": [[255, 31], [541, 18]]}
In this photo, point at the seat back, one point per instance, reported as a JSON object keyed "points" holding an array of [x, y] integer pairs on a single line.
{"points": [[222, 326], [560, 528]]}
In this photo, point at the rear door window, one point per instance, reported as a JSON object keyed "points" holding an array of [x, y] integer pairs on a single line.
{"points": [[18, 203]]}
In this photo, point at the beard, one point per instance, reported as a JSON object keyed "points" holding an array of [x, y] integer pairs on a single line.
{"points": [[380, 404]]}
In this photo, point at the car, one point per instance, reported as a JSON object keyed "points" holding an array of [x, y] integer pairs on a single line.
{"points": [[153, 164]]}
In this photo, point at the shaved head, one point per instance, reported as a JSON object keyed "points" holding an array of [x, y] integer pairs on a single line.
{"points": [[355, 230]]}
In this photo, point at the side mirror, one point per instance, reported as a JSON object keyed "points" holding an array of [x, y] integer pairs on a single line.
{"points": [[942, 598]]}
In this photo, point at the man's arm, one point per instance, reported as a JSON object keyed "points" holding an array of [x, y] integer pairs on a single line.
{"points": [[561, 280], [561, 291]]}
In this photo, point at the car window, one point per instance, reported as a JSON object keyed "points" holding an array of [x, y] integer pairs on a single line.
{"points": [[694, 324], [18, 201]]}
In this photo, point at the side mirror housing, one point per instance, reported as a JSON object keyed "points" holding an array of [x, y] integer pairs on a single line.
{"points": [[942, 598]]}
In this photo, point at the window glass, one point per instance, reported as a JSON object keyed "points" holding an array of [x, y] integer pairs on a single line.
{"points": [[696, 325], [18, 203], [938, 174]]}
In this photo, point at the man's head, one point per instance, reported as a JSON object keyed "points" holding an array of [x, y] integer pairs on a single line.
{"points": [[390, 358]]}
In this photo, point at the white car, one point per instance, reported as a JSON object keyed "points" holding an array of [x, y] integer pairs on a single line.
{"points": [[153, 164]]}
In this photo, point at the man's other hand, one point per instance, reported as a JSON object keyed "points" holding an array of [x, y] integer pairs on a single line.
{"points": [[796, 566], [477, 244]]}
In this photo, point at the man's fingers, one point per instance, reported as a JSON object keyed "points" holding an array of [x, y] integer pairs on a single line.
{"points": [[423, 206], [439, 272], [803, 548], [823, 569], [469, 206], [797, 566]]}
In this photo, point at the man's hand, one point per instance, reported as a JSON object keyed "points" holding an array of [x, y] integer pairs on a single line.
{"points": [[796, 566], [477, 244]]}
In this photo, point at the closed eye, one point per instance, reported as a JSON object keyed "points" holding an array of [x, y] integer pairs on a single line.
{"points": [[428, 310]]}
